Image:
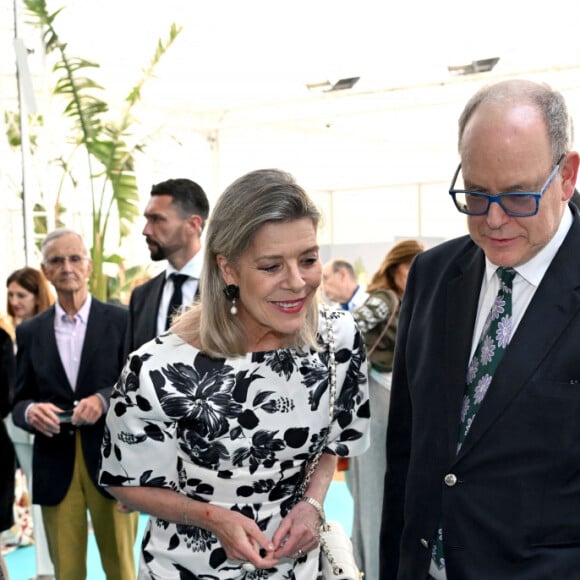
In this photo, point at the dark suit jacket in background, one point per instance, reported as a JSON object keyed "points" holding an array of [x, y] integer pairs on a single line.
{"points": [[514, 512], [41, 378], [7, 455], [575, 199], [7, 372], [143, 308]]}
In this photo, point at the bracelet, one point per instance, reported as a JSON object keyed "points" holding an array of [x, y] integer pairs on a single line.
{"points": [[316, 505]]}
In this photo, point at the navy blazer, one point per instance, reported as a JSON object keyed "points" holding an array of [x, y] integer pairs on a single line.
{"points": [[511, 506], [7, 455], [41, 377], [143, 308]]}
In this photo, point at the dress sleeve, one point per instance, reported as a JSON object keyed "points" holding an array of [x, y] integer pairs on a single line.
{"points": [[376, 310], [139, 447], [350, 429]]}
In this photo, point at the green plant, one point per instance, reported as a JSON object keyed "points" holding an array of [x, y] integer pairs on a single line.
{"points": [[109, 155], [40, 212]]}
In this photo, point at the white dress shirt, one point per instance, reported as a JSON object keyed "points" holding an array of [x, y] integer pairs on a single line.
{"points": [[528, 278], [70, 334], [189, 288]]}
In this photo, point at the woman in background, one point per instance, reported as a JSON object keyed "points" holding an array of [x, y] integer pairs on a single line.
{"points": [[377, 319], [28, 294]]}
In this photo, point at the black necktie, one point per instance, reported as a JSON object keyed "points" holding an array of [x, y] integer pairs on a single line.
{"points": [[176, 298]]}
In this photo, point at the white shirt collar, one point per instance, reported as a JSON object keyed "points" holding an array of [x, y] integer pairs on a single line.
{"points": [[82, 314], [191, 269], [534, 269]]}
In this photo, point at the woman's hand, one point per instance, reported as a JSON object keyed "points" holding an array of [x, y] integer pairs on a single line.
{"points": [[242, 539], [298, 532], [240, 536]]}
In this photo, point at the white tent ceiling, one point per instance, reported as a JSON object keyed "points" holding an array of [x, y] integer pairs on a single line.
{"points": [[246, 64], [235, 82]]}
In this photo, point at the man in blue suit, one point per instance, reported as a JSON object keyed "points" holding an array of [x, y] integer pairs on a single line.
{"points": [[69, 357], [503, 502]]}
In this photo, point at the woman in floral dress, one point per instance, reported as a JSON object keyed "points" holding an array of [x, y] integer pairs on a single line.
{"points": [[212, 425]]}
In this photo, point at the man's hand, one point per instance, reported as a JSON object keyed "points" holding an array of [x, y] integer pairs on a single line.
{"points": [[88, 411], [43, 418]]}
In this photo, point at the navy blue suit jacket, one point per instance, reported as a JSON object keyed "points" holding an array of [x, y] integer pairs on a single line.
{"points": [[514, 509], [41, 377], [143, 308], [7, 456]]}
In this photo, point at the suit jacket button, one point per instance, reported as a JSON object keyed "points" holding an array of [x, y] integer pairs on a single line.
{"points": [[450, 479], [424, 543]]}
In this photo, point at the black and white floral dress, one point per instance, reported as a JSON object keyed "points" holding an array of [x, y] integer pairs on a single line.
{"points": [[234, 432]]}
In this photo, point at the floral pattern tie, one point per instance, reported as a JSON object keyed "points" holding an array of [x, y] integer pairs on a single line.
{"points": [[495, 337]]}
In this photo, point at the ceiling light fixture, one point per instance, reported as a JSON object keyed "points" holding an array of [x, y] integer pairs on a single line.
{"points": [[328, 86], [476, 66]]}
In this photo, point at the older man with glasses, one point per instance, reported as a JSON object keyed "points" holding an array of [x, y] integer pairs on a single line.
{"points": [[69, 358], [483, 444]]}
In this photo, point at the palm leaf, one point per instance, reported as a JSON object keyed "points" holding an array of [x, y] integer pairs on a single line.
{"points": [[109, 158]]}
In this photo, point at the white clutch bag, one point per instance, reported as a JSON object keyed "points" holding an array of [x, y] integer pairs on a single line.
{"points": [[338, 561]]}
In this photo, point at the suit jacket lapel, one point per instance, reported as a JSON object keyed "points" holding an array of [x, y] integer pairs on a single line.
{"points": [[555, 302], [95, 325], [462, 300], [156, 293]]}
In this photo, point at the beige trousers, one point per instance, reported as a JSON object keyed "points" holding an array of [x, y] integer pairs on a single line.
{"points": [[67, 529]]}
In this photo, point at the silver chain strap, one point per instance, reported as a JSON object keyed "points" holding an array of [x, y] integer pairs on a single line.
{"points": [[336, 569], [331, 399]]}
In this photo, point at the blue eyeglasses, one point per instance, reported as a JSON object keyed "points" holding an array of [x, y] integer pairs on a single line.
{"points": [[516, 204]]}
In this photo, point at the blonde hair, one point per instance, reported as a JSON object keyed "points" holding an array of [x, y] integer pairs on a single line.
{"points": [[255, 199], [402, 252], [7, 327]]}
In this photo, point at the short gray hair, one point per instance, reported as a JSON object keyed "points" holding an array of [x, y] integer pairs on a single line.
{"points": [[59, 233], [339, 264], [550, 103]]}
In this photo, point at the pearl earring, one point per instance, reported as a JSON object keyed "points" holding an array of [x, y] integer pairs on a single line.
{"points": [[232, 292]]}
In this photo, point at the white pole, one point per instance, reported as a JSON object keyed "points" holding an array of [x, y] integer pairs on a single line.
{"points": [[26, 106]]}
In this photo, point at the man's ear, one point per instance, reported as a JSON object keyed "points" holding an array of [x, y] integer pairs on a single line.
{"points": [[570, 174], [195, 223]]}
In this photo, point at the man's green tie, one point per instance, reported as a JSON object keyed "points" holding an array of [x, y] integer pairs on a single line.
{"points": [[495, 337]]}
